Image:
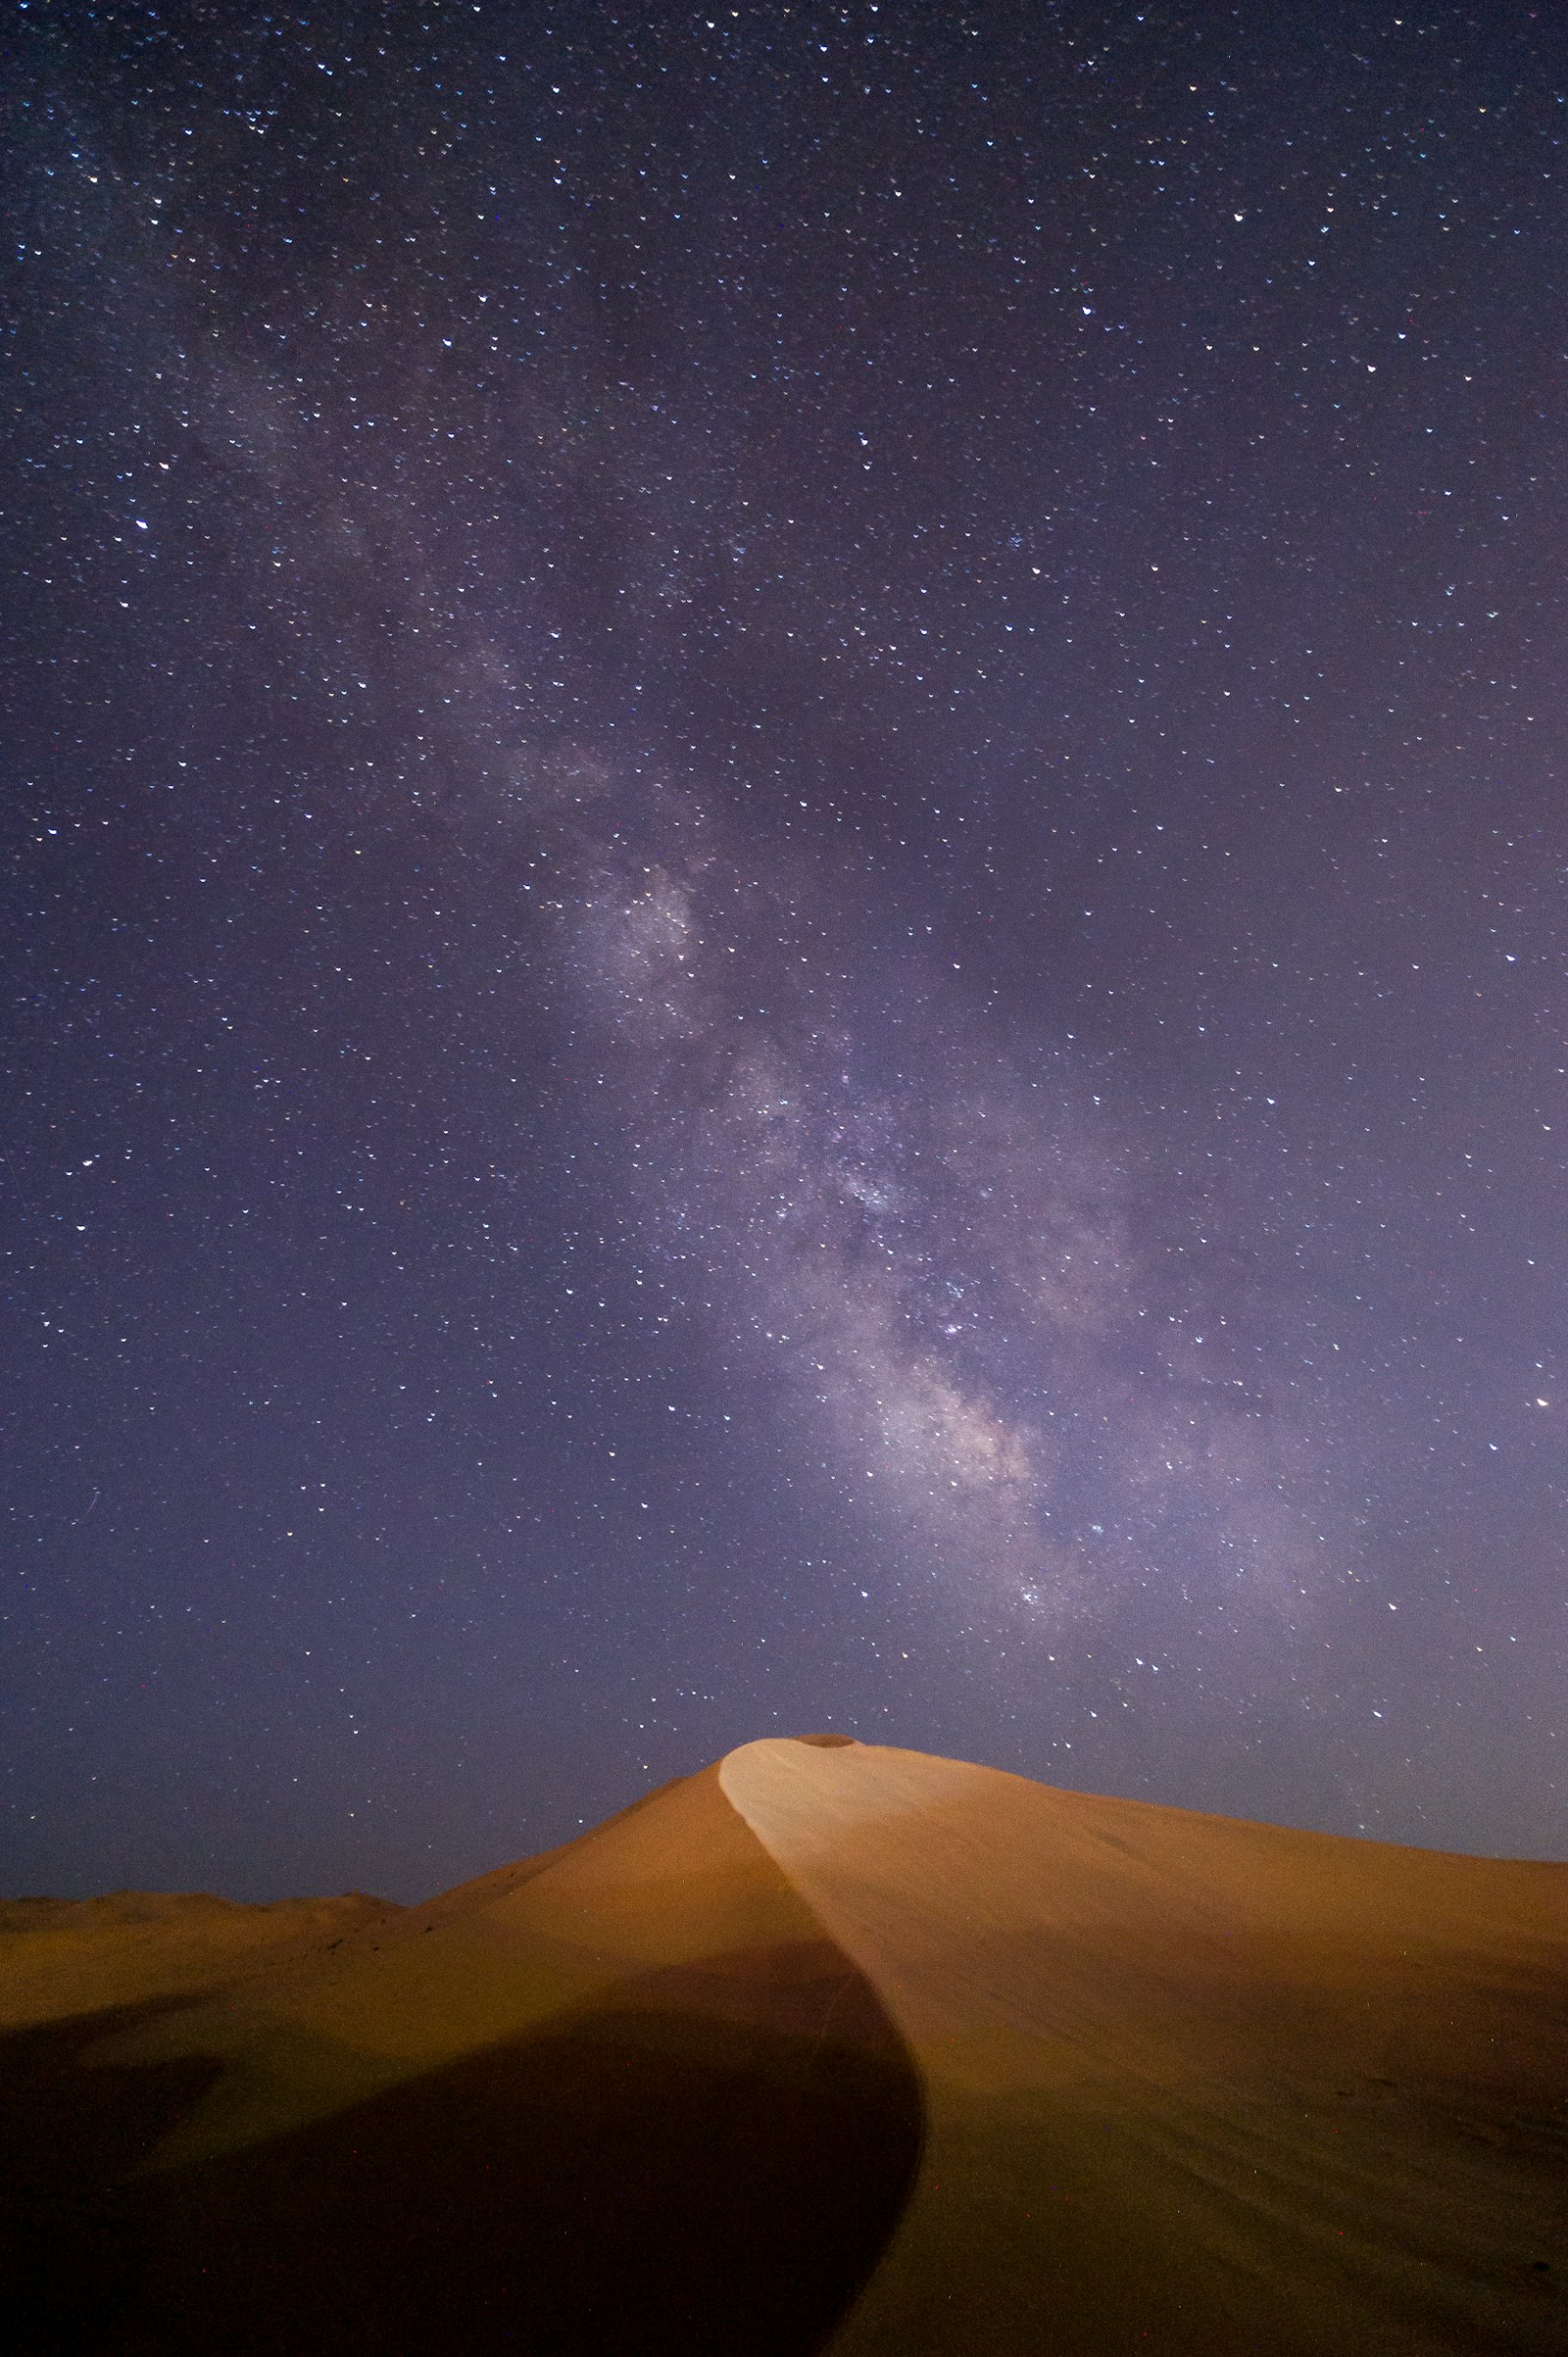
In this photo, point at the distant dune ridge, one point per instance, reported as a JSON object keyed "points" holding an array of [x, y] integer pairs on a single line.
{"points": [[828, 2048]]}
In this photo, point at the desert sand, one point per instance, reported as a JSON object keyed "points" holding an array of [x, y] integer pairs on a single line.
{"points": [[828, 2047]]}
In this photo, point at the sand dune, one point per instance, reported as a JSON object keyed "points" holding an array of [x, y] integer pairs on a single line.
{"points": [[66, 1957], [828, 2048]]}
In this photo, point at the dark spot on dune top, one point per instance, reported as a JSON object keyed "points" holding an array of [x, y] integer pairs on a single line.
{"points": [[827, 1743]]}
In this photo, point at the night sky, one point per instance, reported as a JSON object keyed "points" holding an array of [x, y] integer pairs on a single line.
{"points": [[784, 917]]}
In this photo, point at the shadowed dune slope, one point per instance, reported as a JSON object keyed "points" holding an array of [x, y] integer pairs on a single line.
{"points": [[1192, 2083], [624, 2098]]}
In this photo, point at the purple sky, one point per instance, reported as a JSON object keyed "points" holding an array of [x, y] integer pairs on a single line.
{"points": [[784, 929]]}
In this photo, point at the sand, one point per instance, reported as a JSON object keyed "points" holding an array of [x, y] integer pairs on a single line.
{"points": [[828, 2048], [67, 1956], [1225, 2086], [626, 2098]]}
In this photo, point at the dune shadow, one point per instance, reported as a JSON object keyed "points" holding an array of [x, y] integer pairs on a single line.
{"points": [[70, 2134], [709, 2162]]}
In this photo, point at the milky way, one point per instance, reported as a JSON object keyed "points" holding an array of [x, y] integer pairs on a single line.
{"points": [[937, 1258], [785, 918]]}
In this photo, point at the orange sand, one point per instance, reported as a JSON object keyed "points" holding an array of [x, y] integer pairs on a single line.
{"points": [[1234, 2087]]}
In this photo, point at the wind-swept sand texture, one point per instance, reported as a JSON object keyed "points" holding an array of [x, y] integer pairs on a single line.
{"points": [[1192, 2083], [826, 2048]]}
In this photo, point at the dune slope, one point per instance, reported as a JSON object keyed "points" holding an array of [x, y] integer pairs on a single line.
{"points": [[1189, 2083], [626, 2098]]}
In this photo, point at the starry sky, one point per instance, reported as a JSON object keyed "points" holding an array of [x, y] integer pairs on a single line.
{"points": [[784, 917]]}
